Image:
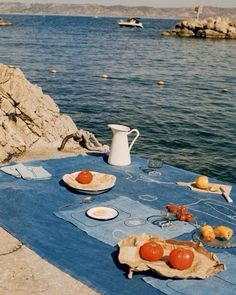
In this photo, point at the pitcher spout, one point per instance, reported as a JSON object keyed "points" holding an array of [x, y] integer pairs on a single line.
{"points": [[117, 127]]}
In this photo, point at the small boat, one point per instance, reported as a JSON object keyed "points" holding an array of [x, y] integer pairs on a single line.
{"points": [[131, 22]]}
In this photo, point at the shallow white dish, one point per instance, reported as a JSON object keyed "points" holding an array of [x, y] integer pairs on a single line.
{"points": [[102, 213], [101, 182]]}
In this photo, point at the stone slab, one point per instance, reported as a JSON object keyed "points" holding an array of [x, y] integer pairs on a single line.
{"points": [[23, 272]]}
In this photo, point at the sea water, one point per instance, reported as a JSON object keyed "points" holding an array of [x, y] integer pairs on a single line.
{"points": [[189, 122]]}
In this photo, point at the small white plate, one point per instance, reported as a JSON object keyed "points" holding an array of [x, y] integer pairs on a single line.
{"points": [[102, 213], [101, 183]]}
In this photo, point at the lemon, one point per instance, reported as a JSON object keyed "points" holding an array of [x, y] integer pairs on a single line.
{"points": [[202, 182]]}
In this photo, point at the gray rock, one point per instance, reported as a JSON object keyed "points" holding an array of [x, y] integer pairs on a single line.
{"points": [[214, 34], [221, 27], [4, 22], [185, 33], [210, 24], [216, 28], [232, 29], [232, 23], [169, 33], [231, 35], [31, 120], [179, 26], [200, 34]]}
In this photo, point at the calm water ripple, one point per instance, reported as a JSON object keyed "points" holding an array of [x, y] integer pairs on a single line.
{"points": [[190, 122]]}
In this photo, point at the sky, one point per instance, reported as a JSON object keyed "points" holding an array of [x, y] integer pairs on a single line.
{"points": [[152, 3]]}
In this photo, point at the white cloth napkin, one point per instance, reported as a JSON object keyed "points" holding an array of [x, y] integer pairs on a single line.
{"points": [[26, 172]]}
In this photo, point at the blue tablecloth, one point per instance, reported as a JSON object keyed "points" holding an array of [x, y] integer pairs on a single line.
{"points": [[133, 217], [27, 211]]}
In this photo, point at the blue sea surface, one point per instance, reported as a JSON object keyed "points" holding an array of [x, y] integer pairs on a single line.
{"points": [[189, 122]]}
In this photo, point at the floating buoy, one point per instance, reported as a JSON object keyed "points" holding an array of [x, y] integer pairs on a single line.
{"points": [[160, 82], [53, 71], [104, 76], [225, 90]]}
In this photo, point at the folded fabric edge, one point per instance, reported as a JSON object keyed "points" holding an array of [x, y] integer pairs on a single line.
{"points": [[26, 172]]}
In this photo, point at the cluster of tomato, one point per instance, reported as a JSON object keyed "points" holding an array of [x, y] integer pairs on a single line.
{"points": [[179, 258], [181, 212]]}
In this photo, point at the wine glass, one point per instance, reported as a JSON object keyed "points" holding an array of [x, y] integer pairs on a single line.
{"points": [[152, 167]]}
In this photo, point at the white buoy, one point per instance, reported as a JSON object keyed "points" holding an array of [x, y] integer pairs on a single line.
{"points": [[53, 71], [104, 76], [160, 82], [225, 90]]}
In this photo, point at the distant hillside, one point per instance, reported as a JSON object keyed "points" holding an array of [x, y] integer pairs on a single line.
{"points": [[115, 11]]}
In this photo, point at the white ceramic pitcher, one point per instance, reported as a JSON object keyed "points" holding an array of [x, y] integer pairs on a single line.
{"points": [[120, 148]]}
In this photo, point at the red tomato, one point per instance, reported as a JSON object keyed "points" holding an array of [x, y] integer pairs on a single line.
{"points": [[151, 251], [181, 258], [181, 217], [182, 209], [169, 206], [188, 217], [84, 177], [172, 208]]}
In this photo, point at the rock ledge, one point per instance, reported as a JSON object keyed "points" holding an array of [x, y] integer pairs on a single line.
{"points": [[214, 28], [31, 122], [4, 22]]}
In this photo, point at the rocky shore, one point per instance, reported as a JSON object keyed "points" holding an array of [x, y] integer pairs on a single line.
{"points": [[4, 22], [214, 28], [31, 125]]}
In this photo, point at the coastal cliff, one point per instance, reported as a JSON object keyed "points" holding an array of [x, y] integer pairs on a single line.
{"points": [[213, 28], [31, 122]]}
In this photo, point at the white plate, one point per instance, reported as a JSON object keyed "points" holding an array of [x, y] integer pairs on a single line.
{"points": [[101, 182], [102, 213]]}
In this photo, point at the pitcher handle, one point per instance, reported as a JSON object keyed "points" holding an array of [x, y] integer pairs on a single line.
{"points": [[133, 130]]}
